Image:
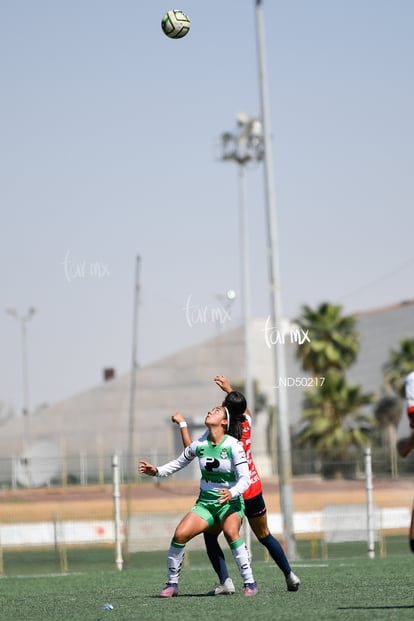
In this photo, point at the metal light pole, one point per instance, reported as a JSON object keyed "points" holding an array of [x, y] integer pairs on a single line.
{"points": [[26, 408], [283, 437], [134, 367], [243, 147], [131, 465]]}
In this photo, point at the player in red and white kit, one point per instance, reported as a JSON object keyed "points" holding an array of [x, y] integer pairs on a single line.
{"points": [[406, 445], [255, 507]]}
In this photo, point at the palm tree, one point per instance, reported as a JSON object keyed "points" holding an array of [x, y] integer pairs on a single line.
{"points": [[399, 364], [333, 422], [387, 412], [333, 342]]}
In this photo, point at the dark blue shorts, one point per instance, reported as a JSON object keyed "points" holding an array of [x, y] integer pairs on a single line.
{"points": [[255, 507]]}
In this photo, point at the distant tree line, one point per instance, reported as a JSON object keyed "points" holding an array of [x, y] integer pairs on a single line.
{"points": [[338, 418]]}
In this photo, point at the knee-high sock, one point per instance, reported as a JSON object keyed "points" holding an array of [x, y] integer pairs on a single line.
{"points": [[175, 561], [241, 556], [216, 556], [276, 552]]}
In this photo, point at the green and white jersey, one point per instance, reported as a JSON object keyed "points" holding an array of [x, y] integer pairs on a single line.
{"points": [[222, 466]]}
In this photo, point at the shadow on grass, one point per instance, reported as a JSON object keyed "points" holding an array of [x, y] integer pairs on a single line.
{"points": [[181, 596], [375, 607]]}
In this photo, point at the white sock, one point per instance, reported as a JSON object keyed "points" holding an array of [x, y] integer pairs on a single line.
{"points": [[175, 561], [241, 556]]}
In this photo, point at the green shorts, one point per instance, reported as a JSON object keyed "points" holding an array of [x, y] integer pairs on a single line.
{"points": [[214, 513]]}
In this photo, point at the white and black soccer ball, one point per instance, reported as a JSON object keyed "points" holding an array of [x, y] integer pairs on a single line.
{"points": [[175, 24]]}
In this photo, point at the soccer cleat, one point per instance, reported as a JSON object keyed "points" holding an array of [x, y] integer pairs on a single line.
{"points": [[292, 582], [250, 589], [226, 588], [170, 590]]}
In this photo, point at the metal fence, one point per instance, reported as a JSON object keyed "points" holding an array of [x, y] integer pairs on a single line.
{"points": [[93, 468], [59, 539]]}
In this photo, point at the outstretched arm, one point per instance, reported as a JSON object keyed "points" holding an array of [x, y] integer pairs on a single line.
{"points": [[185, 434], [223, 383], [405, 445], [171, 467], [146, 468]]}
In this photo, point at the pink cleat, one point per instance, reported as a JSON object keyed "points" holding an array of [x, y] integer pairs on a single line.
{"points": [[170, 590], [250, 589]]}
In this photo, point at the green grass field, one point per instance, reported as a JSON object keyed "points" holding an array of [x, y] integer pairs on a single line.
{"points": [[346, 586]]}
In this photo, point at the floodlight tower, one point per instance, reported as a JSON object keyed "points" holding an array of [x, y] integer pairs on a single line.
{"points": [[282, 426], [23, 319], [244, 146]]}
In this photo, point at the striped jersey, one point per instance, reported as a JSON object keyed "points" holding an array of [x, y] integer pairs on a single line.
{"points": [[409, 392], [223, 465], [255, 483]]}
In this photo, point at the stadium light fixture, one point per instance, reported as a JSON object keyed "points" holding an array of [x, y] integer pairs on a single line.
{"points": [[23, 320], [283, 433], [244, 146]]}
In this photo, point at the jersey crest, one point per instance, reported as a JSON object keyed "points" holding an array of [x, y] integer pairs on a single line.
{"points": [[224, 453]]}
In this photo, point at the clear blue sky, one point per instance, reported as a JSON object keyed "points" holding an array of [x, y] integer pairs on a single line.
{"points": [[109, 136]]}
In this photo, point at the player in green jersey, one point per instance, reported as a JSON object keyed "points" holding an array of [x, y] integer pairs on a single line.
{"points": [[255, 507], [224, 478]]}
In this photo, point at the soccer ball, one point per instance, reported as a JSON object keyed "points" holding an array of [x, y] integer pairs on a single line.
{"points": [[175, 24]]}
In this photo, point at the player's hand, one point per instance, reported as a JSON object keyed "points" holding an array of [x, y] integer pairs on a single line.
{"points": [[223, 383], [225, 495], [146, 468], [405, 446], [177, 418]]}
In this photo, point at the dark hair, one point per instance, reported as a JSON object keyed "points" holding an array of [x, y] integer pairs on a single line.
{"points": [[235, 403]]}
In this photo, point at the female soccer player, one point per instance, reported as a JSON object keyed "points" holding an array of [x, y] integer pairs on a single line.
{"points": [[406, 445], [224, 478], [255, 508]]}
